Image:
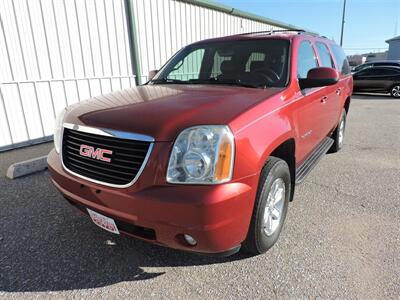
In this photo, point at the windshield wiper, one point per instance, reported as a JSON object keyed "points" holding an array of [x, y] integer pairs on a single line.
{"points": [[236, 82], [168, 81]]}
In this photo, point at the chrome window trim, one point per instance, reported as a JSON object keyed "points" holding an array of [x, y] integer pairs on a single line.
{"points": [[109, 133]]}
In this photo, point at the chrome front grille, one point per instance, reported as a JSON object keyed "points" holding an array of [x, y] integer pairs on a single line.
{"points": [[103, 156]]}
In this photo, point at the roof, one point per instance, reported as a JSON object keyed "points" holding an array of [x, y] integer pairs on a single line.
{"points": [[383, 61], [380, 67], [396, 38], [271, 34]]}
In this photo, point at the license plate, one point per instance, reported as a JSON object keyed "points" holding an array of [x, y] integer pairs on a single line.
{"points": [[102, 221]]}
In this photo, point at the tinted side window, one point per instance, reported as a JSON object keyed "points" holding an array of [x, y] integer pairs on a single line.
{"points": [[325, 56], [306, 59], [341, 59], [362, 67], [390, 71], [376, 72], [362, 73], [368, 72], [358, 68], [388, 64]]}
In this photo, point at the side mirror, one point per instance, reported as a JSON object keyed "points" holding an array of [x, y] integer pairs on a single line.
{"points": [[152, 73], [318, 77]]}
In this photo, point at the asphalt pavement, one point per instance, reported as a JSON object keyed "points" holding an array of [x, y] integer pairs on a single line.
{"points": [[341, 238]]}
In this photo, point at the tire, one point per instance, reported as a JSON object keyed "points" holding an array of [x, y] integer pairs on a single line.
{"points": [[263, 235], [338, 134], [395, 91]]}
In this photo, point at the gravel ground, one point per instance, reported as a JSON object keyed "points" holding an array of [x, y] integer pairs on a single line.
{"points": [[341, 237]]}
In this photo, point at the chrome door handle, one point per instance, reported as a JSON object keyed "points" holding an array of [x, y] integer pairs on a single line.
{"points": [[323, 99]]}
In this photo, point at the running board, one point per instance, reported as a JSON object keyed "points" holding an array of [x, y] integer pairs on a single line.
{"points": [[305, 168]]}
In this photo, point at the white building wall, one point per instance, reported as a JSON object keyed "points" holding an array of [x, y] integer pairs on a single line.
{"points": [[165, 26], [54, 53]]}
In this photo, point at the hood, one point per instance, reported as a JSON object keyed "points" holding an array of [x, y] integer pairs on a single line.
{"points": [[162, 111]]}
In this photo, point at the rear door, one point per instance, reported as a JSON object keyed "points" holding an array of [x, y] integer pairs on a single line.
{"points": [[333, 93], [390, 76], [345, 85], [362, 80]]}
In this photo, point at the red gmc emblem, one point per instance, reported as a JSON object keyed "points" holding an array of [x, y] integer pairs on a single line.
{"points": [[98, 153]]}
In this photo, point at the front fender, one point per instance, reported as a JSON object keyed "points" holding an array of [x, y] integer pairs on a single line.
{"points": [[258, 140]]}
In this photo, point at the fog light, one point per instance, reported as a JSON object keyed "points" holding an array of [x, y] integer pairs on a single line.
{"points": [[190, 240]]}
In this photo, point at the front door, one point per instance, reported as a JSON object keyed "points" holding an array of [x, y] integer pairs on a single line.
{"points": [[309, 109], [368, 80], [309, 121]]}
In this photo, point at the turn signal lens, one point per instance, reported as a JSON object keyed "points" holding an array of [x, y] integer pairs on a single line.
{"points": [[225, 160]]}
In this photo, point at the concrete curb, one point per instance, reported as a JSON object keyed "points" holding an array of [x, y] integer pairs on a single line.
{"points": [[27, 167]]}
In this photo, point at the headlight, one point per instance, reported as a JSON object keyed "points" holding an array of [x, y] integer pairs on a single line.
{"points": [[58, 130], [202, 155]]}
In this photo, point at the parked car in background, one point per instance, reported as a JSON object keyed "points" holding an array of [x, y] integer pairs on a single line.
{"points": [[378, 63], [378, 80], [205, 156]]}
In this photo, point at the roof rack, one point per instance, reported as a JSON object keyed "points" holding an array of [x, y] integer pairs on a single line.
{"points": [[270, 32]]}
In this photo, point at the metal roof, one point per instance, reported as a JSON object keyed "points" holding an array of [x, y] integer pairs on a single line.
{"points": [[243, 14], [396, 38]]}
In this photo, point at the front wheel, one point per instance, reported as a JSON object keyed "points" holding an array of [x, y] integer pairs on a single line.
{"points": [[395, 91], [270, 207]]}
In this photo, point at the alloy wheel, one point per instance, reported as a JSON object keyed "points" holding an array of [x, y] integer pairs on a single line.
{"points": [[274, 207], [396, 91], [341, 133]]}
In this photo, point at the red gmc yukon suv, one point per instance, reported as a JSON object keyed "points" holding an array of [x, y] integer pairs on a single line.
{"points": [[206, 155]]}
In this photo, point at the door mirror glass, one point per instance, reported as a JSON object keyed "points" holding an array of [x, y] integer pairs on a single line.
{"points": [[319, 77]]}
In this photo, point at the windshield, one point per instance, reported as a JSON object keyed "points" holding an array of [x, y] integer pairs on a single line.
{"points": [[249, 63]]}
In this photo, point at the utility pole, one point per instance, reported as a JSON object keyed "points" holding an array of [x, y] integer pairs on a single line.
{"points": [[343, 17]]}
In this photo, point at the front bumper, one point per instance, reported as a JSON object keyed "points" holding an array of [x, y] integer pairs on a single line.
{"points": [[217, 216]]}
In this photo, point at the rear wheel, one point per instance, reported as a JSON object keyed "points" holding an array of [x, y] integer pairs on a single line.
{"points": [[338, 134], [270, 207], [395, 91]]}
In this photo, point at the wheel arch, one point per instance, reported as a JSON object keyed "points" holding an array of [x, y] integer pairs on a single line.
{"points": [[287, 152], [347, 104]]}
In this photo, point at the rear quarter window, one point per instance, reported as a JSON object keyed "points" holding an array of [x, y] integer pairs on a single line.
{"points": [[341, 60]]}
